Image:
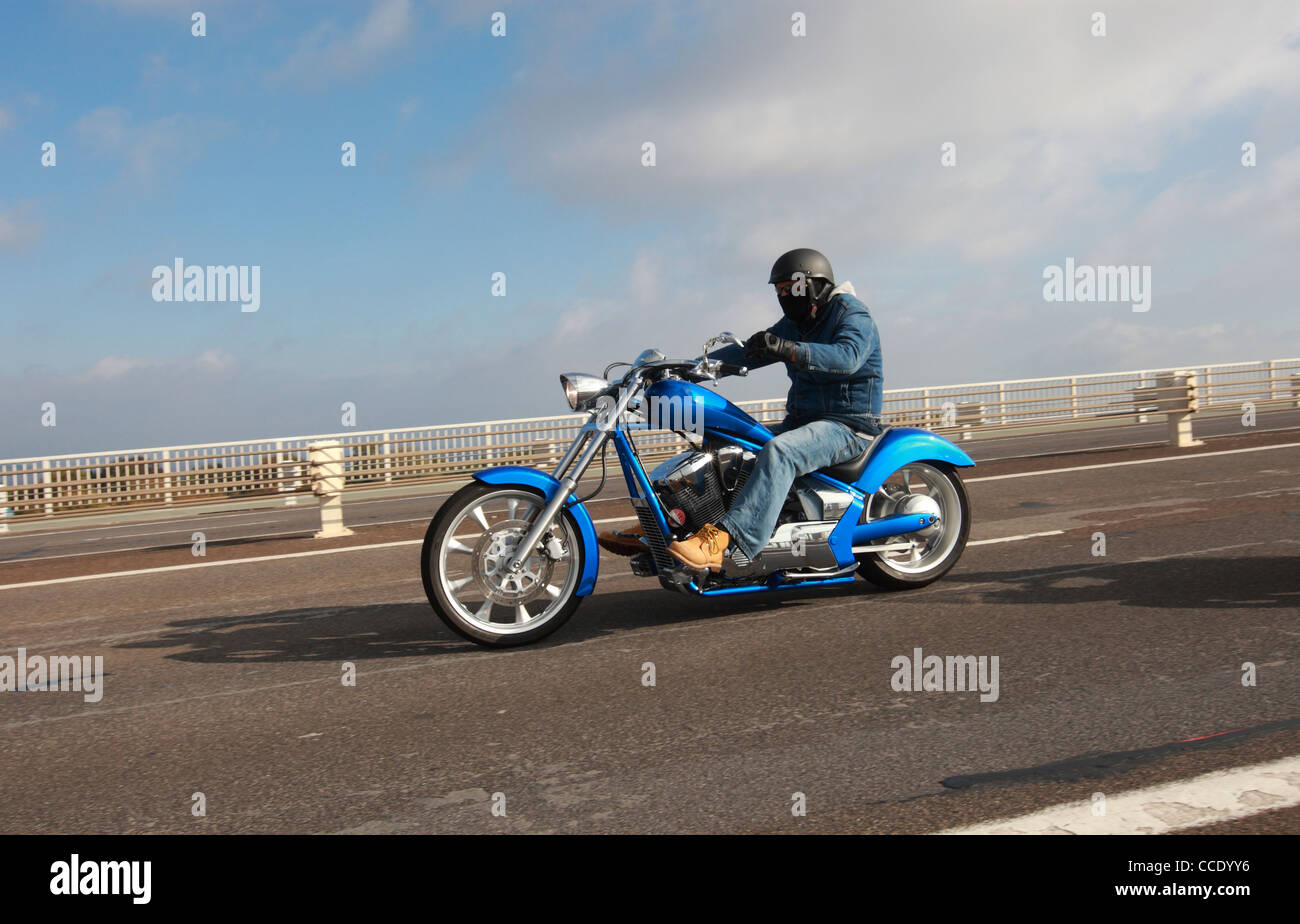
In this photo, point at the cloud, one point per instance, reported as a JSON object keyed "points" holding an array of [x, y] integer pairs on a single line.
{"points": [[838, 134], [214, 360], [105, 127], [156, 71], [1066, 145], [6, 119], [327, 53], [1130, 345], [151, 152], [114, 367], [17, 230]]}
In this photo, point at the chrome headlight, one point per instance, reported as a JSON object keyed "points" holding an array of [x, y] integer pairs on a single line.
{"points": [[582, 390]]}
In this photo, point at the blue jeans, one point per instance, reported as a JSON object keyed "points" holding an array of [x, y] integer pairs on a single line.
{"points": [[752, 518]]}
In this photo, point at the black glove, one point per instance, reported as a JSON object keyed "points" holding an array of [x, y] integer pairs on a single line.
{"points": [[765, 343]]}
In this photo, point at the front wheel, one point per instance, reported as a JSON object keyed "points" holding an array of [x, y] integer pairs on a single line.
{"points": [[463, 563], [918, 487]]}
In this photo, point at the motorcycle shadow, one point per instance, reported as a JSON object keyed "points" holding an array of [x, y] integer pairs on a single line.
{"points": [[1194, 582], [375, 632]]}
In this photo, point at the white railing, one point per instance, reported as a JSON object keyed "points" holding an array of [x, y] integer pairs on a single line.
{"points": [[216, 472]]}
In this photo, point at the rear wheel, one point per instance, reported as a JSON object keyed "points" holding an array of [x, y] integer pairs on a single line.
{"points": [[463, 563], [918, 487]]}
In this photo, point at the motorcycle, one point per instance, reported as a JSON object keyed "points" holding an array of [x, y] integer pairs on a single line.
{"points": [[509, 557]]}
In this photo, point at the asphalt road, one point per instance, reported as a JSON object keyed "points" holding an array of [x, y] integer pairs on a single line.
{"points": [[225, 679]]}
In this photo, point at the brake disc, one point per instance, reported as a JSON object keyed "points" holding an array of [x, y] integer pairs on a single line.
{"points": [[492, 575]]}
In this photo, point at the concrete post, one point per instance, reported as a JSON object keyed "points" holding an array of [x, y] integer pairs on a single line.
{"points": [[1180, 406], [970, 414], [5, 511], [285, 475], [327, 477]]}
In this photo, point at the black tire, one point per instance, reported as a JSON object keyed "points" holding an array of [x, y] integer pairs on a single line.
{"points": [[878, 571], [433, 587]]}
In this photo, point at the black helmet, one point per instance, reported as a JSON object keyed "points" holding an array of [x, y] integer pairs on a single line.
{"points": [[812, 267]]}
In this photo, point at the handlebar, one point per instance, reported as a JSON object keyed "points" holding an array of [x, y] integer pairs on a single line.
{"points": [[692, 368]]}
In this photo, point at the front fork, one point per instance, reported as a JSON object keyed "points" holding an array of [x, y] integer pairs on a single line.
{"points": [[591, 439]]}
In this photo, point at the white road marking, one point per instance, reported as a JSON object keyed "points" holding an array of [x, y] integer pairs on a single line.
{"points": [[349, 548], [1206, 799], [1144, 444], [213, 541], [205, 518], [309, 528], [1084, 468], [174, 525], [171, 525], [1050, 532], [211, 564]]}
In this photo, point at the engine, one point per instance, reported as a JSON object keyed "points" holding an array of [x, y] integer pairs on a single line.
{"points": [[699, 487]]}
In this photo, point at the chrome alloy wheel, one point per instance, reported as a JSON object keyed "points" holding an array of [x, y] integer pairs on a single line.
{"points": [[918, 488], [475, 551]]}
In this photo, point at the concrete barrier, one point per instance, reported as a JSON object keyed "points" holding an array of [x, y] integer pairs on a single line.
{"points": [[326, 471]]}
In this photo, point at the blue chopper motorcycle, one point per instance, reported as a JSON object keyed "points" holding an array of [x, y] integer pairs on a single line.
{"points": [[508, 558]]}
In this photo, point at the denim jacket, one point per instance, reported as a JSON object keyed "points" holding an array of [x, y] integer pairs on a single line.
{"points": [[837, 373]]}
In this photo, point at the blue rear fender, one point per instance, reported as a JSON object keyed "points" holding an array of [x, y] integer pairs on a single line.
{"points": [[899, 445], [548, 485]]}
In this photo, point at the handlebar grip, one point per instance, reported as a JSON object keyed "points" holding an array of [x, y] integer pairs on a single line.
{"points": [[733, 369]]}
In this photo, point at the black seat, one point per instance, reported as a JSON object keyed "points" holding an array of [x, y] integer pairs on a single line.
{"points": [[851, 470]]}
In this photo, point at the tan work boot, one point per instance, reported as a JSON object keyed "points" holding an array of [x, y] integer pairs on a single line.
{"points": [[623, 541], [703, 550]]}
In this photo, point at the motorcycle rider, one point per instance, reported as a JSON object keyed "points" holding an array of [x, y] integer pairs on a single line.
{"points": [[831, 350]]}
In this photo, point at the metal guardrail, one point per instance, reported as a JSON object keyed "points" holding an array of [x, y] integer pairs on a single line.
{"points": [[174, 476]]}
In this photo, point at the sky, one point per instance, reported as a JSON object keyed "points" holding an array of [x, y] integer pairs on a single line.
{"points": [[523, 154]]}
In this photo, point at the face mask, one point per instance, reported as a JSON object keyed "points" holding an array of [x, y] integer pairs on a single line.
{"points": [[798, 308]]}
